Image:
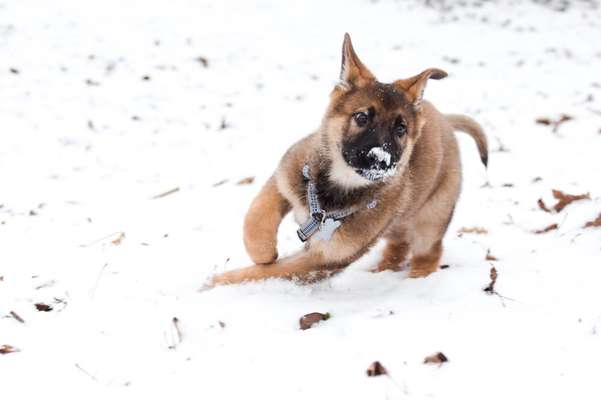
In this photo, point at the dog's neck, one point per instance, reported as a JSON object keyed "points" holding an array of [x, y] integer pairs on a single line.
{"points": [[335, 196]]}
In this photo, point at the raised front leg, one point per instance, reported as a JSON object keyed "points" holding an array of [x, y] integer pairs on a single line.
{"points": [[321, 259], [262, 221]]}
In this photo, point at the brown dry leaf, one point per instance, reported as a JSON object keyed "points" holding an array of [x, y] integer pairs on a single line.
{"points": [[203, 61], [43, 307], [246, 181], [436, 358], [542, 205], [554, 123], [307, 321], [564, 199], [119, 239], [5, 349], [490, 257], [493, 279], [594, 223], [549, 228], [376, 369], [543, 121], [476, 229]]}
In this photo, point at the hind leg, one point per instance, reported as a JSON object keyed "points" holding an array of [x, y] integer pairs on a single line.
{"points": [[427, 260], [430, 227], [396, 251]]}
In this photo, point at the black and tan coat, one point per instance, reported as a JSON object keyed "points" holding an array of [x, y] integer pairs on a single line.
{"points": [[416, 185]]}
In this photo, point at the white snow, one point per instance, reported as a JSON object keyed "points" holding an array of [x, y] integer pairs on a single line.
{"points": [[380, 154], [82, 162]]}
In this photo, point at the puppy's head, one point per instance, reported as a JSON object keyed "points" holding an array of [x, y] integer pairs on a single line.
{"points": [[370, 127]]}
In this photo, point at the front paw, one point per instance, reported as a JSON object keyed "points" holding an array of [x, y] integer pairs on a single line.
{"points": [[262, 253]]}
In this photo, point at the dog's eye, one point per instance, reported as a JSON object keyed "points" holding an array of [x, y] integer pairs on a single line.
{"points": [[400, 127], [361, 119]]}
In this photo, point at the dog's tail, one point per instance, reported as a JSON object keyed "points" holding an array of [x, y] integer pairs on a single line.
{"points": [[466, 124]]}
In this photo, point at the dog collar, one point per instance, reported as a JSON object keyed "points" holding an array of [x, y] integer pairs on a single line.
{"points": [[320, 221]]}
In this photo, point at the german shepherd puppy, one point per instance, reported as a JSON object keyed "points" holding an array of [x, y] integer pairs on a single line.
{"points": [[383, 164]]}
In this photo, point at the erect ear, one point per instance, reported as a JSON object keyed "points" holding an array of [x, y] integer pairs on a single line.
{"points": [[352, 70], [414, 87]]}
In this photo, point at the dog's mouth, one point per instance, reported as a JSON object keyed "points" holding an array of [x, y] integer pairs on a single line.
{"points": [[376, 174], [381, 164]]}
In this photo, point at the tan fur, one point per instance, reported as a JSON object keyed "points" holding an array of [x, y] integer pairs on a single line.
{"points": [[414, 207], [465, 124]]}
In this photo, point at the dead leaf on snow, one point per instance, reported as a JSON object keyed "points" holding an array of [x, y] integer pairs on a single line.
{"points": [[43, 307], [594, 223], [542, 205], [476, 230], [549, 228], [554, 123], [493, 279], [376, 369], [543, 121], [307, 321], [246, 181], [119, 239], [436, 358], [203, 61], [5, 349], [564, 199], [490, 257]]}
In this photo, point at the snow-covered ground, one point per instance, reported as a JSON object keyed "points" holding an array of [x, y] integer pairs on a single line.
{"points": [[105, 105]]}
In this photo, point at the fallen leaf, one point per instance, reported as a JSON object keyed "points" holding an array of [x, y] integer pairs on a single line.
{"points": [[549, 228], [43, 307], [490, 257], [203, 61], [119, 239], [565, 199], [376, 369], [476, 230], [246, 181], [436, 358], [542, 205], [307, 321], [493, 279], [5, 349], [594, 223], [554, 123], [544, 121]]}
